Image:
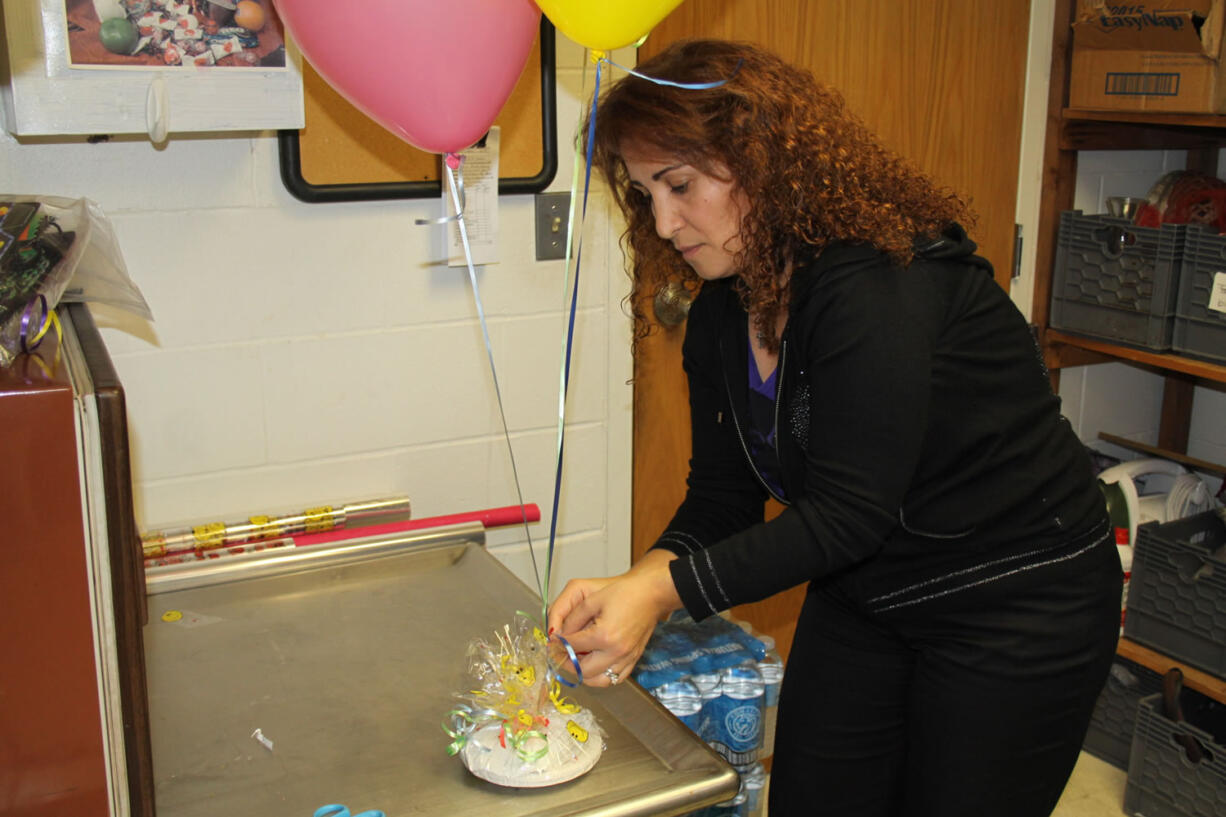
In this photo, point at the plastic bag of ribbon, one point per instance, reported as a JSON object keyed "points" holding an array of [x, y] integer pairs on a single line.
{"points": [[515, 726], [54, 248]]}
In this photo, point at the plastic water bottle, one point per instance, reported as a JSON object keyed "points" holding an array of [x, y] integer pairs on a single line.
{"points": [[722, 645], [737, 714], [748, 637], [656, 667], [736, 807], [708, 685], [753, 782], [724, 642], [771, 667], [683, 700], [677, 641]]}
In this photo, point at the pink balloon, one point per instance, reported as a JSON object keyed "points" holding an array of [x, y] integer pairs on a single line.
{"points": [[434, 72]]}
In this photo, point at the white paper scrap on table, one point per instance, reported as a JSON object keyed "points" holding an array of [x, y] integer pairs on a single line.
{"points": [[1217, 298], [480, 171]]}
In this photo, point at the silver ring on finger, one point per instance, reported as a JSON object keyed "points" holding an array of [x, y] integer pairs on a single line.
{"points": [[613, 677]]}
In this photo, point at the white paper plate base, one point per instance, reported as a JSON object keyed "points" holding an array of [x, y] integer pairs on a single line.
{"points": [[567, 759]]}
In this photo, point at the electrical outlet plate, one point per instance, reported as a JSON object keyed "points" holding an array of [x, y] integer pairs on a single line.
{"points": [[552, 215]]}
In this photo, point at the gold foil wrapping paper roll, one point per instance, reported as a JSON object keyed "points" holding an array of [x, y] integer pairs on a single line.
{"points": [[210, 535]]}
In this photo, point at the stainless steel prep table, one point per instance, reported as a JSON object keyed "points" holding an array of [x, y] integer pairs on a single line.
{"points": [[347, 658]]}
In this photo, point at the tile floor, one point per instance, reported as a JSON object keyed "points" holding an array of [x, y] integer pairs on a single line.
{"points": [[1096, 789]]}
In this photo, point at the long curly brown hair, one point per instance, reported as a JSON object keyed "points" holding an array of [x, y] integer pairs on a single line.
{"points": [[810, 170]]}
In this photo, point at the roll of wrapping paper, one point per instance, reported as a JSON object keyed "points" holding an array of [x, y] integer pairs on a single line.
{"points": [[197, 538], [219, 552], [489, 518]]}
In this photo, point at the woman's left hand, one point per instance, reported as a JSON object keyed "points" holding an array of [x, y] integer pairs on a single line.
{"points": [[608, 622]]}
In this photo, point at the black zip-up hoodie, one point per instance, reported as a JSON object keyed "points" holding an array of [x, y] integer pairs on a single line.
{"points": [[917, 435]]}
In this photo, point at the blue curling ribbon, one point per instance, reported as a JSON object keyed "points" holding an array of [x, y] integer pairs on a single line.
{"points": [[574, 301], [565, 375], [574, 659], [693, 86]]}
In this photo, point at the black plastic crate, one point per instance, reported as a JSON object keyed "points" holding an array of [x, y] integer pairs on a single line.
{"points": [[1110, 735], [1116, 281], [1177, 596], [1200, 331], [1164, 780]]}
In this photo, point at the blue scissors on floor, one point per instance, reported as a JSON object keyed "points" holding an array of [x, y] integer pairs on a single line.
{"points": [[337, 810]]}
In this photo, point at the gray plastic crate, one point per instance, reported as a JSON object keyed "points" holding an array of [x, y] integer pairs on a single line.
{"points": [[1177, 596], [1111, 726], [1198, 330], [1162, 781], [1116, 281]]}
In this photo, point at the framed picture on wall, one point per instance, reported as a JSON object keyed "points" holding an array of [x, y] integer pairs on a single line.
{"points": [[148, 66], [174, 34]]}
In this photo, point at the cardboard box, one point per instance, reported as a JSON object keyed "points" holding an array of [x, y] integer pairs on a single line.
{"points": [[1089, 9], [1161, 55]]}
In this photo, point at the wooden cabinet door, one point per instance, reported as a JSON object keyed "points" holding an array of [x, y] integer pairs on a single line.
{"points": [[941, 83]]}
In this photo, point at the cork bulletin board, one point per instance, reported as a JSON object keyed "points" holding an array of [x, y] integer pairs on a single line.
{"points": [[343, 155]]}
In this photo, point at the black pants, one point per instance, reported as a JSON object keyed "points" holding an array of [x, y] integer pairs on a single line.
{"points": [[974, 703]]}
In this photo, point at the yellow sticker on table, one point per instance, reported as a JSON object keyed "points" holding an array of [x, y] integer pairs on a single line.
{"points": [[172, 615]]}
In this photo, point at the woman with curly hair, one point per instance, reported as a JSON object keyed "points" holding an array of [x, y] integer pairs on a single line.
{"points": [[849, 355]]}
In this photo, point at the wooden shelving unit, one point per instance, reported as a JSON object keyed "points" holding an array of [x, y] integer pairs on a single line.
{"points": [[1069, 131], [1193, 678]]}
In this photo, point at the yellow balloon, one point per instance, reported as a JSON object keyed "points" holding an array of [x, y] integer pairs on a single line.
{"points": [[603, 25]]}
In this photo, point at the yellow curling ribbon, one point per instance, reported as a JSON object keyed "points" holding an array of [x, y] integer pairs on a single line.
{"points": [[52, 320], [46, 319], [560, 703]]}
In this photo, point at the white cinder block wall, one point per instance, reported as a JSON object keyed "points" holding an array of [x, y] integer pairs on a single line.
{"points": [[1116, 397], [307, 354]]}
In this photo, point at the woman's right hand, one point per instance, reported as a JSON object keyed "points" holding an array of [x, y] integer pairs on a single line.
{"points": [[609, 621]]}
